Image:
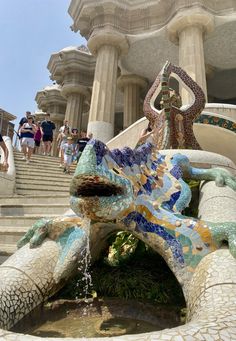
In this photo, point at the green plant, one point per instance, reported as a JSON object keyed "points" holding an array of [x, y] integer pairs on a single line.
{"points": [[192, 209], [143, 275]]}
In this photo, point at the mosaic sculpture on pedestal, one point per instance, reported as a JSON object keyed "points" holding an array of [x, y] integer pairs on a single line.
{"points": [[174, 124], [143, 192]]}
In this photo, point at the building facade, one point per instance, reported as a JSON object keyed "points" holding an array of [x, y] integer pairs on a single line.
{"points": [[129, 41], [6, 126]]}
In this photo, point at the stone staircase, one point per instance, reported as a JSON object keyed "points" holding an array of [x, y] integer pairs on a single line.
{"points": [[42, 190]]}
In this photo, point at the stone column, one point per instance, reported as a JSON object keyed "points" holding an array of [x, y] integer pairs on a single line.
{"points": [[58, 121], [73, 68], [75, 95], [108, 46], [131, 85], [188, 30]]}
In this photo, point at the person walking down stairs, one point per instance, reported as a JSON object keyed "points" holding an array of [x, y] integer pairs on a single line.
{"points": [[68, 150], [47, 128], [61, 141], [38, 137], [27, 132]]}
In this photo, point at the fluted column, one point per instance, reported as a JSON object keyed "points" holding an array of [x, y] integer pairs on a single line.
{"points": [[191, 57], [58, 123], [73, 68], [131, 85], [74, 110], [108, 46], [188, 30], [75, 95]]}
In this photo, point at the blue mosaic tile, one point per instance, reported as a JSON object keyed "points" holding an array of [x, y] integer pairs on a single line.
{"points": [[146, 226]]}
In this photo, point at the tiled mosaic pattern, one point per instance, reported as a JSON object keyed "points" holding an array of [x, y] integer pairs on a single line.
{"points": [[217, 121], [175, 125], [212, 313], [143, 192], [26, 279]]}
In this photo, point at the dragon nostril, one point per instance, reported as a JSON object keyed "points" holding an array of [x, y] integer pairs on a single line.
{"points": [[224, 243]]}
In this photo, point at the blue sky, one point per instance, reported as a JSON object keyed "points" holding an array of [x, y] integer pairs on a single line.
{"points": [[30, 31]]}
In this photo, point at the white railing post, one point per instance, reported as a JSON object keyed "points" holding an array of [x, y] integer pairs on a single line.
{"points": [[7, 179]]}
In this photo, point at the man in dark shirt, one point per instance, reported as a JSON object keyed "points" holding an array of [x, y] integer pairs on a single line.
{"points": [[47, 128], [82, 141]]}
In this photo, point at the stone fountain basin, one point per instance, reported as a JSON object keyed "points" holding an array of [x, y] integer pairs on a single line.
{"points": [[98, 318]]}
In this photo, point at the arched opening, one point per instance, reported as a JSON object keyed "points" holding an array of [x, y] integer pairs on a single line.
{"points": [[133, 291]]}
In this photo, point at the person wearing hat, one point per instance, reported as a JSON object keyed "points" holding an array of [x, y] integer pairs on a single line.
{"points": [[68, 150], [27, 132]]}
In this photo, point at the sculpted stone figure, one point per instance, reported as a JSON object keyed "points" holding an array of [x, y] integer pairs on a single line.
{"points": [[144, 192], [141, 191]]}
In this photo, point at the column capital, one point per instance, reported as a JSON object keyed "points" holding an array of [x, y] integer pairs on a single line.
{"points": [[72, 62], [110, 38], [74, 88], [189, 18], [124, 80], [50, 96]]}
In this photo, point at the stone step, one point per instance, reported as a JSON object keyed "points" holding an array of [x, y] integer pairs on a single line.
{"points": [[37, 161], [65, 183], [43, 160], [49, 159], [36, 199], [10, 236], [43, 176], [37, 158], [39, 172], [39, 166], [45, 188], [29, 209], [45, 192], [27, 221], [6, 250]]}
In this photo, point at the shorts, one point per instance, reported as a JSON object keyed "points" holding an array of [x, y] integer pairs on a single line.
{"points": [[68, 159], [37, 143], [27, 141], [47, 138]]}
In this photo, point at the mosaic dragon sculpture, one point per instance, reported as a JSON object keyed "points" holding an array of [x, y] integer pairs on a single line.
{"points": [[143, 192]]}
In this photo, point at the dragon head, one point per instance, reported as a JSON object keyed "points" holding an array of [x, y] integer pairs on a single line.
{"points": [[107, 185], [99, 189]]}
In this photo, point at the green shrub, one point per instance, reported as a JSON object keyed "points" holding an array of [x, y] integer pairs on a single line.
{"points": [[141, 275]]}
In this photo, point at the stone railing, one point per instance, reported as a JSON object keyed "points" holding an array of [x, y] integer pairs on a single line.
{"points": [[130, 136], [214, 115], [228, 110], [7, 179]]}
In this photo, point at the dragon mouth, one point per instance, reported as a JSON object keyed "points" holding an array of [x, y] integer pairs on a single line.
{"points": [[94, 185]]}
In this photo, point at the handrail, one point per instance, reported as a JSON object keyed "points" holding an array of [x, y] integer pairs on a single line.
{"points": [[8, 179]]}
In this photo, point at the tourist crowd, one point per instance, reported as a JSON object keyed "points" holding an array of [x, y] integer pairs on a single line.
{"points": [[70, 142]]}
